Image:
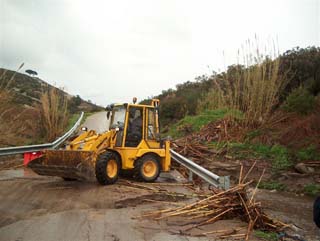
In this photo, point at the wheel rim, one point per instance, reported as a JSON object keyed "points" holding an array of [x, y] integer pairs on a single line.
{"points": [[112, 168], [149, 169]]}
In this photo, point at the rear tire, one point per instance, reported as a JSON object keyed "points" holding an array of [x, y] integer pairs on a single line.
{"points": [[147, 168], [107, 168]]}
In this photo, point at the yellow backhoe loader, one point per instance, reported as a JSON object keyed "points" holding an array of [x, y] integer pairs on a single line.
{"points": [[132, 143]]}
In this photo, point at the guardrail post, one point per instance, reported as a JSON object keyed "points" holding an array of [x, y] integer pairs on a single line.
{"points": [[224, 182]]}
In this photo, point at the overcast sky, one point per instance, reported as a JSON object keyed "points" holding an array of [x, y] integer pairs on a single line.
{"points": [[110, 51]]}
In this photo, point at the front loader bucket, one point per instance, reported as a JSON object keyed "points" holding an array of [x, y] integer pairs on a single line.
{"points": [[66, 164]]}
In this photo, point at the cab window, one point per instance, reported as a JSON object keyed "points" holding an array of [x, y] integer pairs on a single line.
{"points": [[151, 132], [134, 132]]}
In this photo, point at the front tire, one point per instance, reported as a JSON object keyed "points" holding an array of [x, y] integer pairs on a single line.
{"points": [[107, 168], [147, 168]]}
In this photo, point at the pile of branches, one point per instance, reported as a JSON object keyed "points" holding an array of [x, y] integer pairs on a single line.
{"points": [[214, 131], [193, 145], [193, 149], [223, 205]]}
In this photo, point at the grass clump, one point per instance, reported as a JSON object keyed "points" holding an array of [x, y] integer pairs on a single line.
{"points": [[194, 123], [272, 185], [278, 155], [280, 158], [309, 153], [72, 120], [300, 101], [270, 236], [312, 189]]}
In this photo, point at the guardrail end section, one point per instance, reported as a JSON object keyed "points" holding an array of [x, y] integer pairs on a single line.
{"points": [[224, 182], [29, 156]]}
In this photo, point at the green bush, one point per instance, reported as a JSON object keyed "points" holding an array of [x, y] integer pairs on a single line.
{"points": [[300, 101]]}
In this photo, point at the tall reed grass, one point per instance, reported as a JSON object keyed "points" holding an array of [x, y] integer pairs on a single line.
{"points": [[253, 86], [53, 112]]}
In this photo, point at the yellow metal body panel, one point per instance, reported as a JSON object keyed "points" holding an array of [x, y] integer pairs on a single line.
{"points": [[130, 154]]}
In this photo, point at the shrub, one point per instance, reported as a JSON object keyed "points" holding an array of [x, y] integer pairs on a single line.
{"points": [[312, 189], [300, 101]]}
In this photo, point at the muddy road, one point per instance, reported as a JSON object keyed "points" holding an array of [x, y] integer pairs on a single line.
{"points": [[47, 208], [97, 122], [42, 208]]}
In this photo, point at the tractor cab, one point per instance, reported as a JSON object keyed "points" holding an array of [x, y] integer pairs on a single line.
{"points": [[135, 124]]}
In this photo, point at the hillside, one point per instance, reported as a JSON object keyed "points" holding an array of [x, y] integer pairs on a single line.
{"points": [[24, 100], [265, 115]]}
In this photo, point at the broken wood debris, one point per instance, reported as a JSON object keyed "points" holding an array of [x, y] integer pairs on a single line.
{"points": [[228, 204]]}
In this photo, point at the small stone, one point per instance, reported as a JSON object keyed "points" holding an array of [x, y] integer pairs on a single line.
{"points": [[302, 168]]}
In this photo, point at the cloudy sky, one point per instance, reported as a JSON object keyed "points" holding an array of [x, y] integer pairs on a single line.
{"points": [[110, 51]]}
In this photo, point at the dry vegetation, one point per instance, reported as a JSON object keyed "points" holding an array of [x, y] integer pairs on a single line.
{"points": [[252, 88], [29, 123], [16, 125], [53, 113]]}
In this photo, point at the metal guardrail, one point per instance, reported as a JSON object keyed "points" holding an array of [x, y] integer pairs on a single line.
{"points": [[213, 179], [22, 149]]}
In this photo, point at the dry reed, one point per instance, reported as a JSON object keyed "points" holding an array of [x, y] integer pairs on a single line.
{"points": [[252, 87], [53, 112]]}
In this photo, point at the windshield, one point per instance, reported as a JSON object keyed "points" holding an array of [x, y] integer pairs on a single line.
{"points": [[118, 117]]}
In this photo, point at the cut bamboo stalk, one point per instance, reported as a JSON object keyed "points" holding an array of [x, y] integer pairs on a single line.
{"points": [[255, 190], [251, 168], [245, 206], [240, 175], [222, 231], [175, 213]]}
